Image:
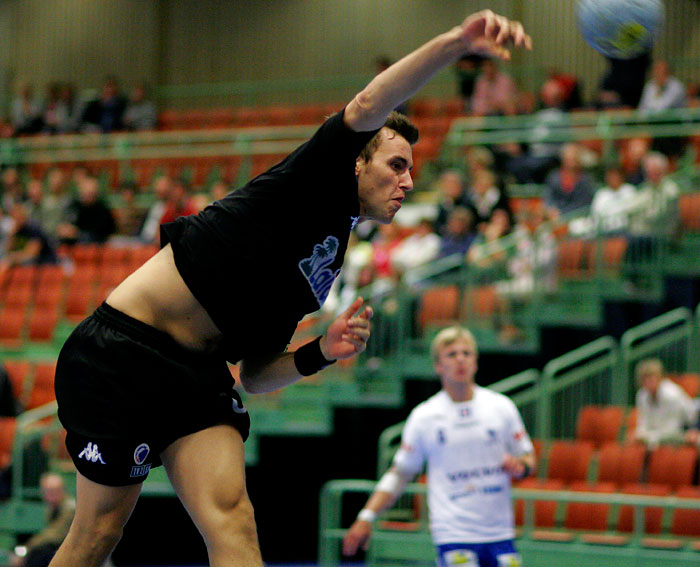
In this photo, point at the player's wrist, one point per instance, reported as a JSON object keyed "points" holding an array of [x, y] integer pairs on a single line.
{"points": [[309, 358], [367, 515]]}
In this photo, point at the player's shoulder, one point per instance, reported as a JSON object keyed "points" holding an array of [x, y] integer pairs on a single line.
{"points": [[495, 398], [434, 404]]}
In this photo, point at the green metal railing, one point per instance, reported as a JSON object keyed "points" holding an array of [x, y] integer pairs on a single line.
{"points": [[401, 547]]}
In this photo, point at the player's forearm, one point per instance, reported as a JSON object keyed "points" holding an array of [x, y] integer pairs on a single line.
{"points": [[369, 109], [270, 374]]}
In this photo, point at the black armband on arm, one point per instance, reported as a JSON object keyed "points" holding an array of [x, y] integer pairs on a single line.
{"points": [[309, 359]]}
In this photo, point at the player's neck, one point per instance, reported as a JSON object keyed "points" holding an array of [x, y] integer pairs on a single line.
{"points": [[459, 392]]}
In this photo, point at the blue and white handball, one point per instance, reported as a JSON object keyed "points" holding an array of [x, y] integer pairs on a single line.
{"points": [[621, 29]]}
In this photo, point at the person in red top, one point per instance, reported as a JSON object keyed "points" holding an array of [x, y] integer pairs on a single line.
{"points": [[179, 203], [568, 188]]}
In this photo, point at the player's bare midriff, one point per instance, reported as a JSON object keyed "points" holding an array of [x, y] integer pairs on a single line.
{"points": [[157, 295]]}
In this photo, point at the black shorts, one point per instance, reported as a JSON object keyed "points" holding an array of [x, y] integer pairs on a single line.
{"points": [[126, 391]]}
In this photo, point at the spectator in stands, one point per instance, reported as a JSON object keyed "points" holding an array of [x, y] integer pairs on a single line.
{"points": [[89, 218], [484, 199], [28, 243], [664, 92], [50, 108], [25, 112], [105, 114], [533, 164], [179, 203], [69, 110], [494, 92], [384, 243], [162, 188], [623, 82], [9, 404], [35, 196], [467, 70], [416, 249], [450, 185], [12, 189], [54, 205], [459, 232], [664, 410], [474, 442], [632, 157], [60, 510], [141, 112], [568, 188], [218, 190], [569, 87], [129, 216], [612, 202]]}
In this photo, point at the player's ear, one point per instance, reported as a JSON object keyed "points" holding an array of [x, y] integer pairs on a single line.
{"points": [[359, 164]]}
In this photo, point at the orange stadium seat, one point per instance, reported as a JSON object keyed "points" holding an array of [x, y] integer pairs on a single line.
{"points": [[42, 323], [18, 371], [544, 510], [621, 464], [588, 516], [11, 325], [438, 306], [8, 425], [689, 211], [43, 386], [568, 461], [672, 466], [599, 424], [653, 515]]}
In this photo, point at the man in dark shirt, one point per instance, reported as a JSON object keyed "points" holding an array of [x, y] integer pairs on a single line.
{"points": [[28, 243], [231, 283], [88, 218]]}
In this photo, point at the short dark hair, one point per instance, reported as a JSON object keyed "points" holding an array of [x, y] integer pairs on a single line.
{"points": [[400, 124]]}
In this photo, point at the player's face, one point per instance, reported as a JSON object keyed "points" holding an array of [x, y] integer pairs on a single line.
{"points": [[456, 362], [384, 180]]}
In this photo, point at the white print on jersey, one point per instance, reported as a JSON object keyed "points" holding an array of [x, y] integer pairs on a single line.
{"points": [[92, 454]]}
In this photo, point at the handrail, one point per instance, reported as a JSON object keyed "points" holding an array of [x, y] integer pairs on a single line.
{"points": [[331, 508]]}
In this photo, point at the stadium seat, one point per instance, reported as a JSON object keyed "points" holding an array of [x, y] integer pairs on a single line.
{"points": [[689, 211], [8, 425], [18, 371], [86, 254], [479, 303], [43, 386], [685, 521], [571, 256], [599, 424], [42, 323], [11, 325], [588, 516], [621, 464], [544, 510], [18, 295], [438, 306], [653, 515], [690, 382], [672, 466], [569, 461], [78, 300]]}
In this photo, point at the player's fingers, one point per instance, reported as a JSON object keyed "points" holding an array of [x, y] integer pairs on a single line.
{"points": [[368, 313], [504, 31], [350, 311], [357, 341]]}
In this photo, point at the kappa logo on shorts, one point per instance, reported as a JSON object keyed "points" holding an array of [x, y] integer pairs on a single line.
{"points": [[316, 271], [92, 454], [140, 454]]}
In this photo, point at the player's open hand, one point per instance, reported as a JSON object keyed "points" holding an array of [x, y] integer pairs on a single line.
{"points": [[349, 333], [358, 536], [487, 33]]}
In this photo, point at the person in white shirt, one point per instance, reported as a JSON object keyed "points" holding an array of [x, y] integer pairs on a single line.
{"points": [[611, 203], [664, 410], [474, 442], [662, 91], [417, 249]]}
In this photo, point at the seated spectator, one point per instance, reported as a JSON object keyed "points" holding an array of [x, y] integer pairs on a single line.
{"points": [[35, 196], [129, 216], [25, 112], [467, 71], [459, 233], [69, 110], [623, 82], [494, 92], [141, 113], [569, 188], [60, 510], [664, 92], [28, 243], [484, 198], [569, 87], [664, 410], [383, 245], [11, 188], [89, 218], [417, 249], [450, 185], [150, 233], [105, 114], [612, 202], [9, 404], [54, 204], [632, 156], [179, 203], [541, 156], [218, 191], [50, 109]]}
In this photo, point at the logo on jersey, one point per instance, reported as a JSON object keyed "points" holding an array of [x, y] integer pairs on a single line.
{"points": [[441, 436], [519, 435], [465, 412], [353, 222], [316, 271], [92, 454], [140, 454], [492, 436]]}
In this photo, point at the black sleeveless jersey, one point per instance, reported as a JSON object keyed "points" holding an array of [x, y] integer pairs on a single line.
{"points": [[265, 255]]}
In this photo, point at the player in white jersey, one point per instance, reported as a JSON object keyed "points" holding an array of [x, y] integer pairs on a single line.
{"points": [[474, 442]]}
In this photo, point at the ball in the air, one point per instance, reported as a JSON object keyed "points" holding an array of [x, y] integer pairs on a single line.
{"points": [[621, 29]]}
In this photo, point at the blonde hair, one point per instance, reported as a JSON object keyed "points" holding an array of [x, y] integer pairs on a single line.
{"points": [[646, 366], [448, 336]]}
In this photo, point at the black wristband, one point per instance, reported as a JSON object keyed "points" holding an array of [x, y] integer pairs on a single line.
{"points": [[309, 359], [527, 470]]}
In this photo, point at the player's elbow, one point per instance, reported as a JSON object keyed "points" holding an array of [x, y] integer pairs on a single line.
{"points": [[364, 112]]}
